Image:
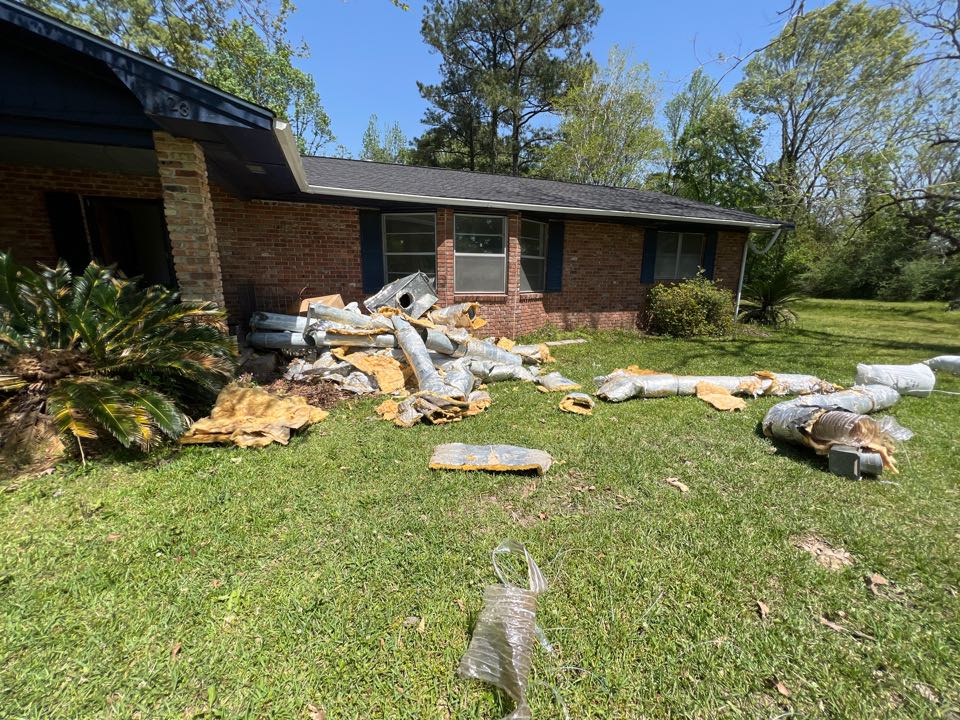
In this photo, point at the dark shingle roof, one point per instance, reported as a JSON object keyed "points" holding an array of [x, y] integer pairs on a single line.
{"points": [[336, 174]]}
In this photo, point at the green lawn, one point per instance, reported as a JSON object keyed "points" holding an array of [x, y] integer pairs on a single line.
{"points": [[254, 583]]}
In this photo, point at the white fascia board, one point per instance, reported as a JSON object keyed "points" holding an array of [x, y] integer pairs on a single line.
{"points": [[289, 146]]}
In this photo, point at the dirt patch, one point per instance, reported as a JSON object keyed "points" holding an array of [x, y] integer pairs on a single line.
{"points": [[319, 393], [823, 552]]}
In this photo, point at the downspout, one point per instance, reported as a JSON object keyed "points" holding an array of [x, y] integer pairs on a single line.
{"points": [[747, 247]]}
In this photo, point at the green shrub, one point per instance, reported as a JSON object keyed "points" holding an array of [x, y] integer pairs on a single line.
{"points": [[690, 308], [98, 356]]}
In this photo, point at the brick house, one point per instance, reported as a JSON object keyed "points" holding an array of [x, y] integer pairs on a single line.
{"points": [[106, 154]]}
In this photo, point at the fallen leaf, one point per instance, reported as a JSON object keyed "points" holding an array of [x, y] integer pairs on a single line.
{"points": [[782, 689], [175, 650], [216, 583], [113, 537], [412, 621], [316, 713], [826, 622], [460, 604], [762, 609], [236, 460], [875, 581], [675, 482]]}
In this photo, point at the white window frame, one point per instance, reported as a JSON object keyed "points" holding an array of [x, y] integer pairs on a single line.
{"points": [[543, 244], [506, 243], [676, 261], [383, 237]]}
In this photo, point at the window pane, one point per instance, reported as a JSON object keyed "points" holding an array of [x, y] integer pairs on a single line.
{"points": [[479, 225], [479, 274], [408, 223], [691, 249], [666, 263], [479, 244], [419, 242], [531, 246], [531, 275], [400, 265]]}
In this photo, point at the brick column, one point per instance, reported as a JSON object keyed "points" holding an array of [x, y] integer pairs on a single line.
{"points": [[190, 221]]}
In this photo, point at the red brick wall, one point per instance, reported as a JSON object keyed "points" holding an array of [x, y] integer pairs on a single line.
{"points": [[24, 221], [188, 210], [273, 253]]}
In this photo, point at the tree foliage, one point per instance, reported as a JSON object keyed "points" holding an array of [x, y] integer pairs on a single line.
{"points": [[607, 134], [385, 144], [503, 64], [240, 46], [826, 87], [713, 154]]}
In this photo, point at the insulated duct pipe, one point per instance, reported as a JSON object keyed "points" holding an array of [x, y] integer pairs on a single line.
{"points": [[747, 247]]}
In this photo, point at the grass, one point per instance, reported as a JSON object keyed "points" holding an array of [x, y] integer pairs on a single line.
{"points": [[220, 582]]}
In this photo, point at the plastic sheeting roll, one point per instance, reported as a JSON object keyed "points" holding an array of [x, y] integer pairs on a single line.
{"points": [[917, 380], [947, 363]]}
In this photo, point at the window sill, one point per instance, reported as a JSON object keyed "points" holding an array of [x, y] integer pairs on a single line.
{"points": [[531, 294]]}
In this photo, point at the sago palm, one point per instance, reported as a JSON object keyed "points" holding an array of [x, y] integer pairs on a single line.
{"points": [[768, 301], [97, 353]]}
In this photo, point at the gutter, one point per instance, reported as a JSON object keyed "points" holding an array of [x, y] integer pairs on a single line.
{"points": [[747, 247], [289, 146]]}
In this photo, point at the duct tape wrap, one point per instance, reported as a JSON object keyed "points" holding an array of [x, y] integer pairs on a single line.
{"points": [[501, 649], [428, 379], [440, 342], [489, 371], [480, 350], [457, 375], [917, 379]]}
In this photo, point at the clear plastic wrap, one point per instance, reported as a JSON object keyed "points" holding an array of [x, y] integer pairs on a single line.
{"points": [[501, 648]]}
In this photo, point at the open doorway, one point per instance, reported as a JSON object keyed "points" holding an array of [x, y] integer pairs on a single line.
{"points": [[128, 233]]}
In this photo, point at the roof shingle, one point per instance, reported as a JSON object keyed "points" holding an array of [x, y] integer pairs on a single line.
{"points": [[424, 182]]}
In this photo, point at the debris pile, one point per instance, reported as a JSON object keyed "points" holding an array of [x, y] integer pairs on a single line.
{"points": [[425, 357]]}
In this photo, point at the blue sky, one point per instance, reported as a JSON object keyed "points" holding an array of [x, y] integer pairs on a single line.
{"points": [[367, 56]]}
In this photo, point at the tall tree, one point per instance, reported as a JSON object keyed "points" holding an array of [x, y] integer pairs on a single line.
{"points": [[504, 62], [826, 86], [713, 154], [607, 134], [241, 46], [387, 144]]}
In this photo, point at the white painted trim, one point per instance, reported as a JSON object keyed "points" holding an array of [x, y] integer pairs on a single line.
{"points": [[289, 146]]}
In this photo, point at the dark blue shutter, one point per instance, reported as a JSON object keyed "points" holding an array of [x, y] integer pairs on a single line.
{"points": [[371, 251], [554, 281], [710, 254], [649, 256]]}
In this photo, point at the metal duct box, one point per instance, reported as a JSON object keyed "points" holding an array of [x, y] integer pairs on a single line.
{"points": [[412, 294], [854, 463]]}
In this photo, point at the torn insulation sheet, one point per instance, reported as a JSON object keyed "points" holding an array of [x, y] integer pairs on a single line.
{"points": [[578, 403], [500, 458], [252, 417], [719, 397], [555, 382]]}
